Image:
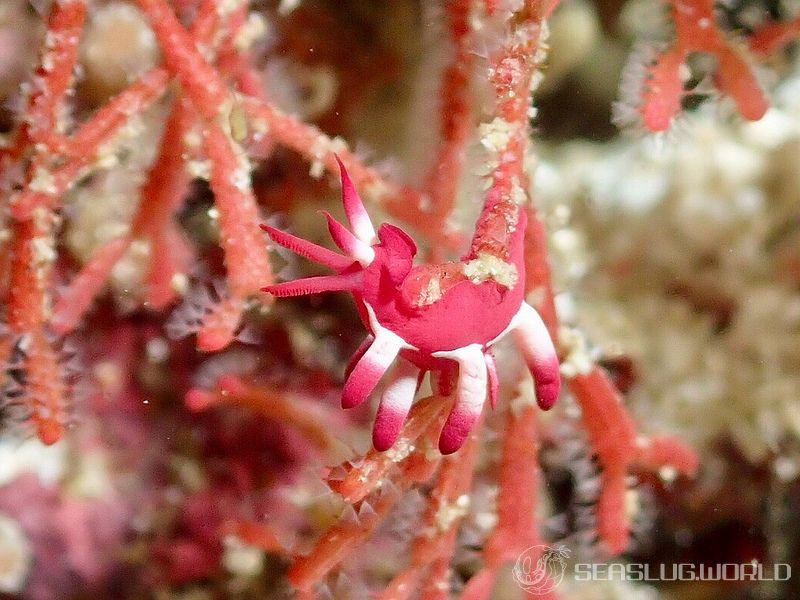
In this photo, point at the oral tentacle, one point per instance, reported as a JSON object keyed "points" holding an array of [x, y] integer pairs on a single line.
{"points": [[394, 406], [470, 396], [349, 243], [491, 372], [370, 368], [308, 250], [354, 208], [316, 285], [537, 348]]}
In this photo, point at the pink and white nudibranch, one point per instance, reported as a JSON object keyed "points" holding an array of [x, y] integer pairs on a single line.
{"points": [[431, 317]]}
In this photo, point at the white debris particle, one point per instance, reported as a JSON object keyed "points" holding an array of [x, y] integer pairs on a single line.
{"points": [[240, 559], [486, 520], [228, 7], [668, 474], [106, 158], [376, 191], [320, 149], [786, 468], [43, 251], [431, 293], [108, 376], [240, 178], [43, 182], [536, 80], [92, 477], [260, 128], [566, 240], [129, 272], [401, 449], [489, 267], [432, 453], [51, 40], [201, 169], [256, 27], [518, 195], [633, 503], [31, 456], [48, 62], [180, 283], [287, 6], [16, 556], [579, 360], [450, 513], [317, 169], [157, 350], [189, 472], [193, 138], [496, 135]]}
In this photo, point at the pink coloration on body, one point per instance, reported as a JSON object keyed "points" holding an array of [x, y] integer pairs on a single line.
{"points": [[431, 316]]}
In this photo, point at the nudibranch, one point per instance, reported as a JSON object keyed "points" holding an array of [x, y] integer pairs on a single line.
{"points": [[440, 318]]}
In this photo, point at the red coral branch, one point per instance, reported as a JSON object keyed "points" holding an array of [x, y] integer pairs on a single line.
{"points": [[517, 501], [32, 255], [246, 257], [76, 299], [696, 30], [612, 434], [32, 249], [538, 281], [432, 550], [162, 196], [455, 115], [53, 75], [403, 202], [84, 146], [507, 137], [770, 38], [364, 476], [343, 538], [309, 418]]}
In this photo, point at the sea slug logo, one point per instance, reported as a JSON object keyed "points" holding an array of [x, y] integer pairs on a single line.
{"points": [[540, 569]]}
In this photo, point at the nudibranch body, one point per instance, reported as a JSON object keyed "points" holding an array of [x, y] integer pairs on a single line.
{"points": [[437, 318]]}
